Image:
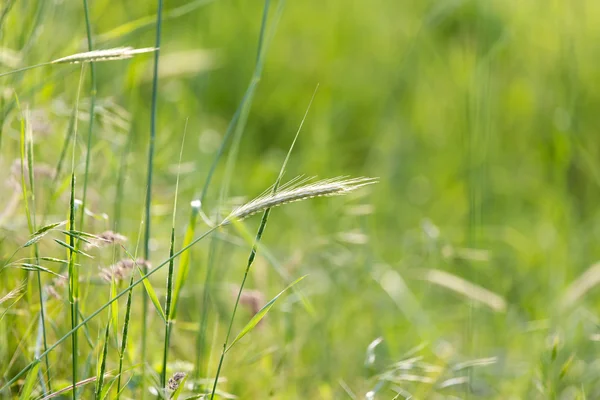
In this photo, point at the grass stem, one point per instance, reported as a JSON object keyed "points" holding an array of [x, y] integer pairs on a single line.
{"points": [[148, 204]]}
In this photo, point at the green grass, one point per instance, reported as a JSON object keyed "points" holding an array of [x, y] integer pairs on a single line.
{"points": [[468, 271]]}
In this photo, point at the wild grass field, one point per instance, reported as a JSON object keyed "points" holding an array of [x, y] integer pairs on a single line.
{"points": [[429, 222]]}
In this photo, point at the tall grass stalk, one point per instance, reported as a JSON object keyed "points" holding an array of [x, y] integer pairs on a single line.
{"points": [[148, 204], [88, 152], [125, 333], [72, 266], [73, 270], [103, 357], [236, 127], [169, 298], [52, 191], [261, 228], [73, 284], [26, 139], [36, 254]]}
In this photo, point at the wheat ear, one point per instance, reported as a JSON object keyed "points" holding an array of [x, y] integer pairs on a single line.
{"points": [[297, 192], [118, 53]]}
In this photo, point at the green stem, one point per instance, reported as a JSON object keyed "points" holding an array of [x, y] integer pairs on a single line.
{"points": [[125, 335], [73, 287], [168, 313], [75, 303], [91, 117], [149, 187], [15, 71], [261, 229]]}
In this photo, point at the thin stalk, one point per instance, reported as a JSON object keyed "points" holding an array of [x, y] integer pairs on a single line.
{"points": [[16, 71], [169, 298], [149, 187], [259, 234], [261, 228], [163, 375], [201, 338], [73, 285], [235, 129], [33, 228], [59, 166], [91, 117], [127, 318], [73, 269], [121, 181], [101, 373], [125, 335], [242, 110], [27, 156], [75, 299]]}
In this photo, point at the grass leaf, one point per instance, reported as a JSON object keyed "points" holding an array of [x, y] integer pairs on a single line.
{"points": [[179, 390], [184, 263], [34, 267], [45, 229], [72, 248], [102, 363], [152, 295], [261, 314], [30, 382]]}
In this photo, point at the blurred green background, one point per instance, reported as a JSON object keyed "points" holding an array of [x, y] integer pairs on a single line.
{"points": [[479, 117]]}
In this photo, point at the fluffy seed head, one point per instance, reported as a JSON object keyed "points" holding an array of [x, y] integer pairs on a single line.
{"points": [[175, 380], [121, 269], [106, 238]]}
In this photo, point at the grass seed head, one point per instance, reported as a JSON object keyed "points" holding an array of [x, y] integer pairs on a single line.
{"points": [[117, 53], [105, 239], [299, 191], [121, 269]]}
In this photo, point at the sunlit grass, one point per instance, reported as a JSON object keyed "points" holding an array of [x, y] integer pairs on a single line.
{"points": [[469, 270]]}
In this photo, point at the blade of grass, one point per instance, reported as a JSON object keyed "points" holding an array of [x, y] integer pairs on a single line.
{"points": [[87, 158], [261, 314], [72, 266], [124, 335], [152, 294], [88, 29], [29, 382], [73, 285], [261, 228], [153, 112], [88, 153], [35, 267], [179, 389], [102, 363], [235, 128], [169, 298], [184, 263], [71, 246], [27, 155], [127, 320], [148, 21]]}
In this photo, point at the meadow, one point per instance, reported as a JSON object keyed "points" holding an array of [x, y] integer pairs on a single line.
{"points": [[221, 199]]}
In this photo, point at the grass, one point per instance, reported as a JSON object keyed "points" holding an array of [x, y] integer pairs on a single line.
{"points": [[470, 269]]}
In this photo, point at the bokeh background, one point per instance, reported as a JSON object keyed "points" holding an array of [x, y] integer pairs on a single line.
{"points": [[473, 258]]}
